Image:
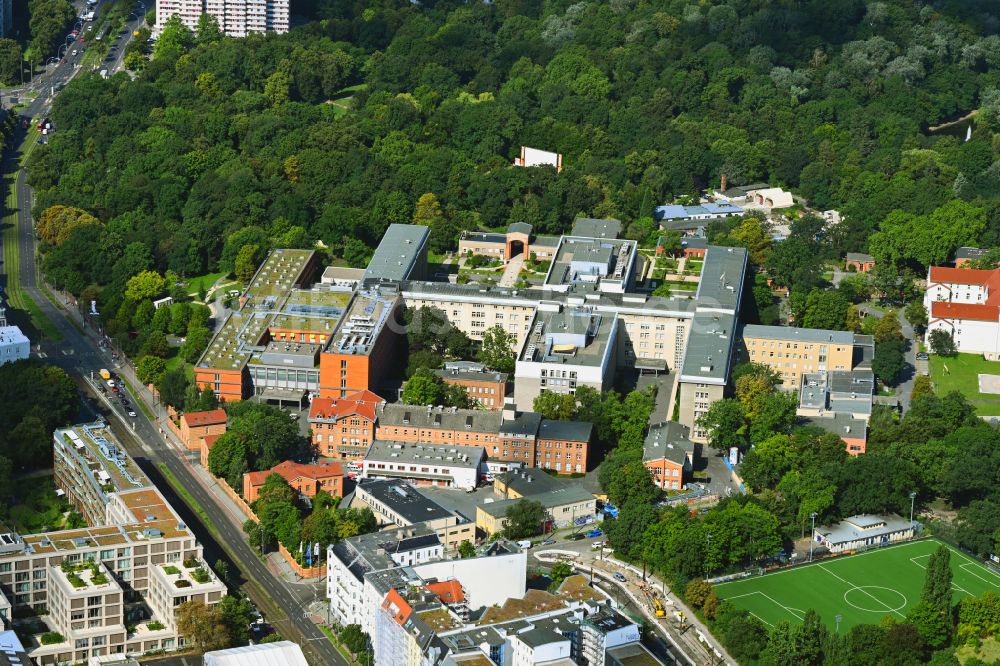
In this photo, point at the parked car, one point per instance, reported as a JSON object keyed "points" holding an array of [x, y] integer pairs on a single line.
{"points": [[548, 542], [594, 533], [131, 413], [922, 356], [574, 537], [620, 577]]}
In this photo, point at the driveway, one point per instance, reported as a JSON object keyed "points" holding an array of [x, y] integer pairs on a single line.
{"points": [[511, 272]]}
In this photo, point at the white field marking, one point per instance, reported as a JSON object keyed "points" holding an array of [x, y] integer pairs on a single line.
{"points": [[891, 610], [954, 585], [761, 619], [791, 611], [800, 567], [973, 573]]}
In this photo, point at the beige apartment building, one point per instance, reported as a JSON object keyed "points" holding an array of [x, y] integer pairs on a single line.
{"points": [[793, 352], [93, 584]]}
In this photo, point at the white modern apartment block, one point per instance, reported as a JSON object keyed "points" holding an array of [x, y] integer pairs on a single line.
{"points": [[237, 18], [349, 561], [966, 303], [14, 346]]}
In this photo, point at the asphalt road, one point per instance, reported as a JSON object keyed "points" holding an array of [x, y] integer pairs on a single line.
{"points": [[80, 355]]}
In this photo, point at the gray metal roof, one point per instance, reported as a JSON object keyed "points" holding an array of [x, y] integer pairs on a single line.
{"points": [[722, 278], [815, 335], [555, 498], [668, 440], [596, 228], [446, 455], [529, 481], [447, 418], [570, 431], [859, 256], [402, 498], [708, 354], [863, 527], [519, 228], [840, 424], [398, 252]]}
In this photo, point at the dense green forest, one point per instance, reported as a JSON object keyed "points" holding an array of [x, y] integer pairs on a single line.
{"points": [[222, 143]]}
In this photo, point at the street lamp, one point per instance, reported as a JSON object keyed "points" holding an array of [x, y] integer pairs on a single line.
{"points": [[708, 537], [812, 535], [913, 496]]}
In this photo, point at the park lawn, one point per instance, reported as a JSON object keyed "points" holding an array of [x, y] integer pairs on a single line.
{"points": [[860, 588], [195, 284], [37, 508], [961, 373]]}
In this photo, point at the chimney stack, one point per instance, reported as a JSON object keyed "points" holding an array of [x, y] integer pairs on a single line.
{"points": [[722, 185]]}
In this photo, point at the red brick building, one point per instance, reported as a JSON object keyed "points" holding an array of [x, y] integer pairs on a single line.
{"points": [[306, 479], [344, 427], [196, 426]]}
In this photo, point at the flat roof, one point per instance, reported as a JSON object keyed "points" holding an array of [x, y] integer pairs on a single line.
{"points": [[280, 271], [571, 336], [96, 453], [841, 424], [571, 494], [398, 251], [403, 499], [590, 260], [596, 228], [708, 353], [362, 324], [721, 278], [814, 335], [153, 519], [483, 375], [630, 654], [527, 481], [445, 455]]}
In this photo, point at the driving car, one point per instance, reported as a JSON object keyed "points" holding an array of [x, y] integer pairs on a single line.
{"points": [[75, 51], [618, 576], [548, 542]]}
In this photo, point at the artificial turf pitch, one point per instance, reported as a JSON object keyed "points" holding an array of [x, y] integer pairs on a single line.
{"points": [[861, 588]]}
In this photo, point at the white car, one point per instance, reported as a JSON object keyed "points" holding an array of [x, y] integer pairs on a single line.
{"points": [[131, 413], [75, 51], [111, 383]]}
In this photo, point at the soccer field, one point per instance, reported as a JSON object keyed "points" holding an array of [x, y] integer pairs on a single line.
{"points": [[861, 588]]}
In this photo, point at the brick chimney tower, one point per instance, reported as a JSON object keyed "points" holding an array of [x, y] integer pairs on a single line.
{"points": [[722, 185]]}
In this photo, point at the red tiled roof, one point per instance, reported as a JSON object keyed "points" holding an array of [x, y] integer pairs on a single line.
{"points": [[292, 470], [210, 440], [946, 274], [397, 606], [362, 403], [197, 419], [448, 592], [972, 311]]}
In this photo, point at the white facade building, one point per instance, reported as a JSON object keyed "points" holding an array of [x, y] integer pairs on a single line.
{"points": [[453, 466], [237, 18], [14, 346], [965, 303], [279, 653], [350, 560]]}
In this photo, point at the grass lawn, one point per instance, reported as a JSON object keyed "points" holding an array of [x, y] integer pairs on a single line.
{"points": [[37, 508], [861, 588], [196, 283], [961, 373]]}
